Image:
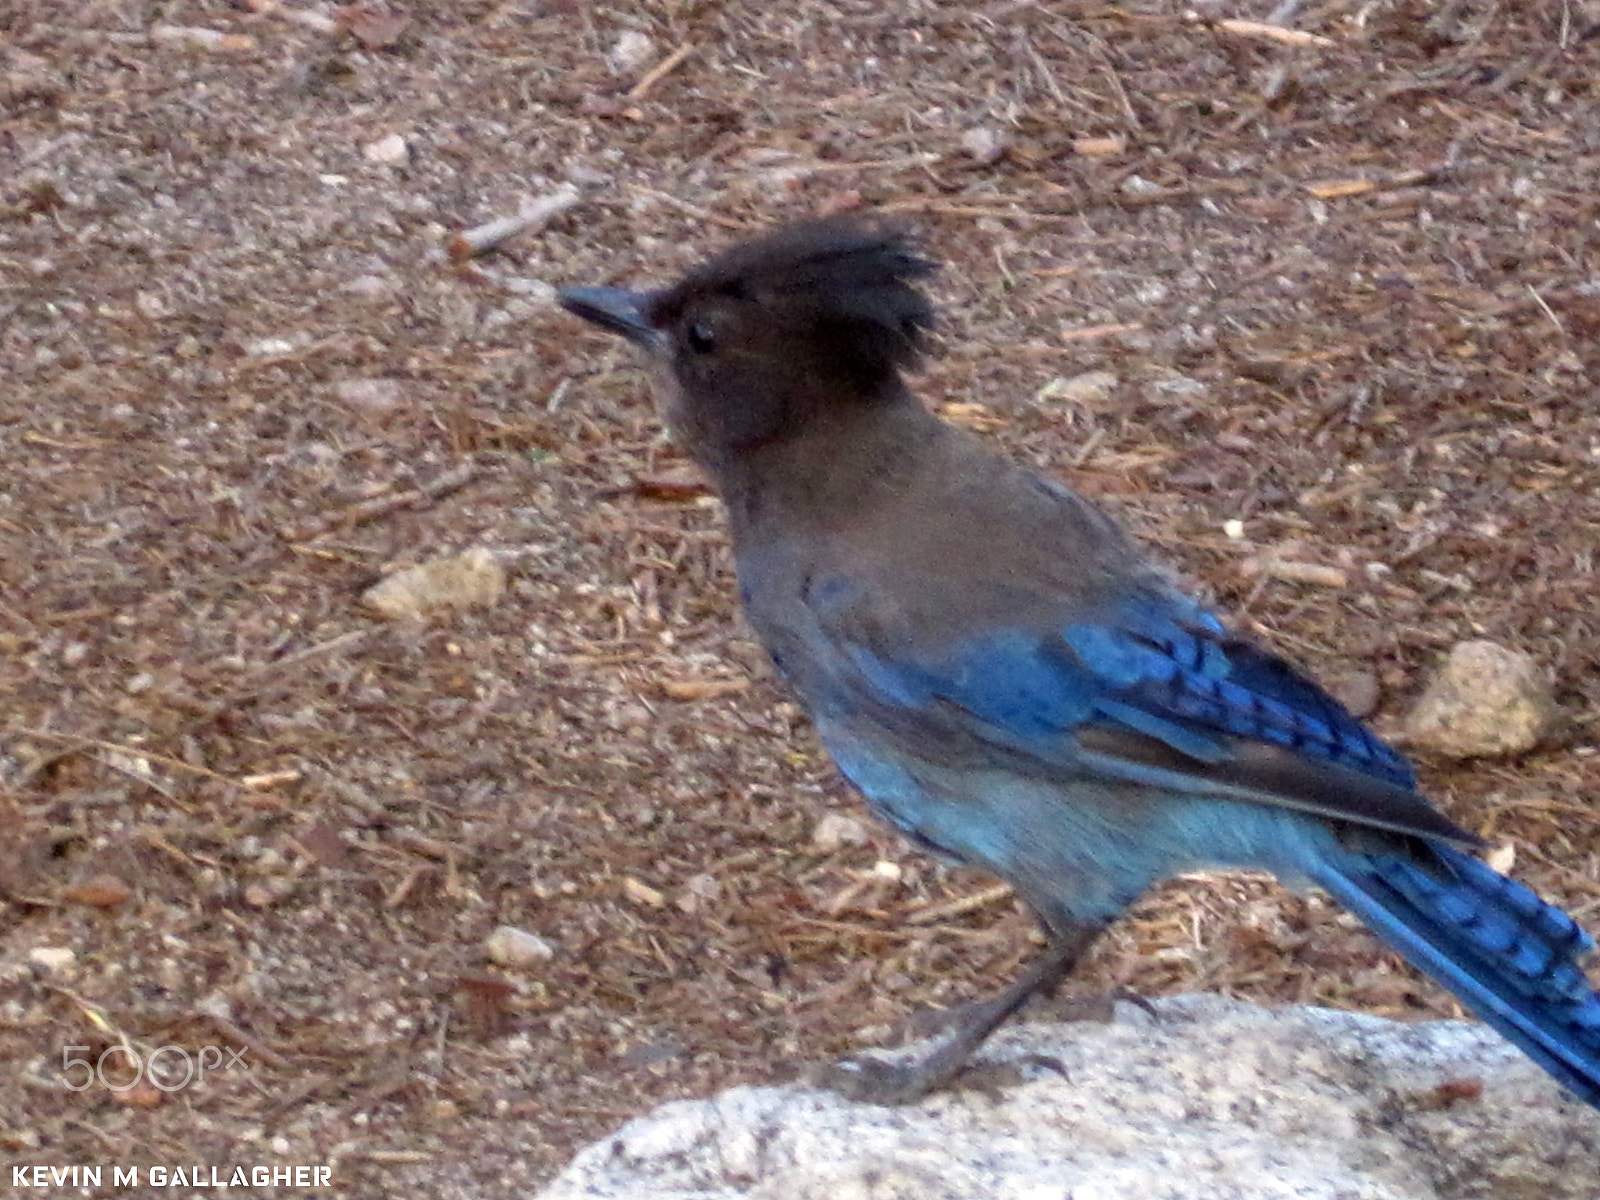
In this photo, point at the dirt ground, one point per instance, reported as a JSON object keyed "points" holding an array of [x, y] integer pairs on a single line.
{"points": [[1343, 296]]}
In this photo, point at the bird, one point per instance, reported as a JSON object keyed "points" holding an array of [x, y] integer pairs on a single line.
{"points": [[1010, 680]]}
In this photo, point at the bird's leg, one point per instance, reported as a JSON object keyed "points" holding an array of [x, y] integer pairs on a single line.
{"points": [[874, 1081]]}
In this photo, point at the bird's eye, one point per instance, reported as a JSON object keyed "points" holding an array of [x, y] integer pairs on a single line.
{"points": [[700, 337]]}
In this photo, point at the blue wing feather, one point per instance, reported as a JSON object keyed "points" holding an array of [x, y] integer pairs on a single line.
{"points": [[1190, 687], [1195, 678], [1152, 691]]}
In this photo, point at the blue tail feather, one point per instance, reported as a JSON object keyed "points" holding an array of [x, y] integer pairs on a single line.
{"points": [[1504, 952]]}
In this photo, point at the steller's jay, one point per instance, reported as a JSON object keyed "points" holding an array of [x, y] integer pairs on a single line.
{"points": [[1010, 680]]}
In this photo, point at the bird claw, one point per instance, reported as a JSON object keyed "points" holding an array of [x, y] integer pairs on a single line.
{"points": [[877, 1081], [1100, 1007]]}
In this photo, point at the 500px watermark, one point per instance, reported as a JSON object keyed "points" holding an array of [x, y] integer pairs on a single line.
{"points": [[120, 1068]]}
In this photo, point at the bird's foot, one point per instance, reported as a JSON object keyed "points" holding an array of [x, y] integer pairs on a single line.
{"points": [[1101, 1007], [870, 1080], [878, 1081]]}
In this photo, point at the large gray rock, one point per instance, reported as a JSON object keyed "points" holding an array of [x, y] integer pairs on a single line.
{"points": [[1215, 1100]]}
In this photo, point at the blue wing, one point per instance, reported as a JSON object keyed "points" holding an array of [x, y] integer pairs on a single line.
{"points": [[1149, 689]]}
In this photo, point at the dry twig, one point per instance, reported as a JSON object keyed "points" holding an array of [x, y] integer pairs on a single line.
{"points": [[960, 906], [491, 235], [299, 16], [660, 71], [1264, 32], [454, 479], [197, 37]]}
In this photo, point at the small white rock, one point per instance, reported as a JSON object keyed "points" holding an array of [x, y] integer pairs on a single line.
{"points": [[52, 958], [586, 176], [512, 947], [1502, 858], [474, 578], [630, 52], [273, 347], [1151, 292], [390, 151], [516, 309], [1167, 386], [985, 143], [376, 395], [151, 305], [541, 291], [370, 285], [1091, 387], [698, 891], [838, 829], [1486, 701]]}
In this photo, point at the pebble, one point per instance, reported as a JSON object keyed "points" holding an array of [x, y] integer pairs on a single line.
{"points": [[273, 347], [630, 52], [370, 285], [52, 958], [473, 578], [1169, 386], [541, 291], [1486, 701], [698, 891], [985, 143], [838, 829], [1089, 388], [265, 895], [512, 947], [390, 151], [376, 395]]}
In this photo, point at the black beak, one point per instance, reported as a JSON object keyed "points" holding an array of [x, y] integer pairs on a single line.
{"points": [[616, 309]]}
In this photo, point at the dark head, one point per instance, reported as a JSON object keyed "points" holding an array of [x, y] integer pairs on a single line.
{"points": [[772, 334]]}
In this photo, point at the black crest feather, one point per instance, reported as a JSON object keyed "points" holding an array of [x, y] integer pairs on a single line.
{"points": [[846, 283]]}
